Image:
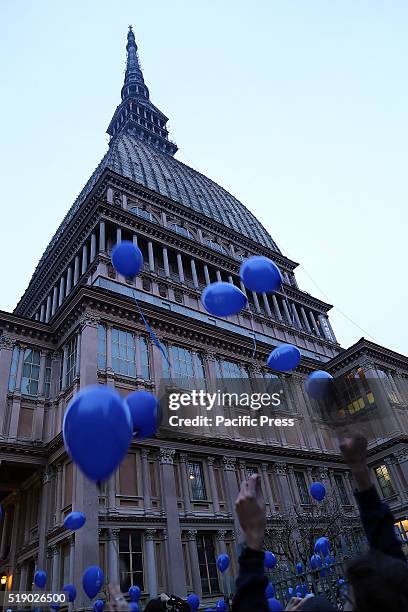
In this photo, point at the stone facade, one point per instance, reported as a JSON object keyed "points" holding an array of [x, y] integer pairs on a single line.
{"points": [[77, 324]]}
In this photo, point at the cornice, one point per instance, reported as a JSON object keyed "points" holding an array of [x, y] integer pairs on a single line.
{"points": [[367, 349]]}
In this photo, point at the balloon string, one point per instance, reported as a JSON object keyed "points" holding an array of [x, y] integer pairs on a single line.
{"points": [[150, 331]]}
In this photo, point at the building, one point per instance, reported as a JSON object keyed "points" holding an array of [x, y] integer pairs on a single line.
{"points": [[163, 518]]}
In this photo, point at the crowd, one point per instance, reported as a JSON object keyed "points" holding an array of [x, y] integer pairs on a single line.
{"points": [[375, 582]]}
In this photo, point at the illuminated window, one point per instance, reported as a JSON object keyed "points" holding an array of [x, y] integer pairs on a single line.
{"points": [[197, 482], [207, 564], [130, 560], [384, 480], [31, 372]]}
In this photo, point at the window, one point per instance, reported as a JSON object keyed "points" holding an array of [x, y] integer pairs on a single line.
{"points": [[47, 376], [230, 369], [144, 358], [64, 574], [251, 470], [13, 369], [302, 487], [130, 559], [384, 480], [144, 214], [101, 350], [179, 229], [341, 489], [123, 353], [207, 565], [196, 475], [187, 366], [71, 360], [215, 246], [31, 372]]}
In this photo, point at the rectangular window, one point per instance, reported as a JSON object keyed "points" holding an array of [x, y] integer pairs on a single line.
{"points": [[71, 360], [47, 376], [187, 367], [101, 350], [144, 358], [31, 372], [196, 476], [207, 564], [13, 369], [302, 487], [123, 352], [128, 476], [251, 470], [130, 559], [341, 489], [64, 574], [384, 480]]}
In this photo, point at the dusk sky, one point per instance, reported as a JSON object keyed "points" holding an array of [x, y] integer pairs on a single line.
{"points": [[298, 108]]}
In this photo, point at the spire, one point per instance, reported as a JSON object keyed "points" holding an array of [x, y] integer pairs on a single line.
{"points": [[136, 114], [133, 71]]}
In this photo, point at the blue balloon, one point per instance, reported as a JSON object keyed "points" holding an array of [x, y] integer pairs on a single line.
{"points": [[299, 567], [97, 431], [221, 606], [92, 580], [75, 520], [317, 491], [260, 274], [305, 590], [144, 411], [99, 605], [284, 358], [223, 299], [71, 590], [322, 546], [134, 593], [134, 606], [223, 562], [40, 578], [270, 560], [318, 385], [274, 605], [127, 258], [290, 591], [315, 561], [341, 582], [194, 601], [299, 591], [269, 591]]}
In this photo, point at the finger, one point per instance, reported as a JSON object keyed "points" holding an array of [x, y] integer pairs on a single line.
{"points": [[252, 485]]}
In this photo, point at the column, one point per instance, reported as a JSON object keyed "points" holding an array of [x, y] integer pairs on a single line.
{"points": [[118, 235], [180, 268], [256, 301], [42, 313], [55, 551], [48, 309], [206, 275], [146, 480], [242, 470], [113, 556], [184, 483], [266, 304], [76, 269], [293, 486], [109, 348], [267, 486], [23, 578], [6, 355], [15, 408], [276, 308], [43, 514], [61, 290], [166, 262], [71, 557], [58, 499], [93, 247], [4, 533], [231, 489], [64, 366], [134, 239], [69, 280], [177, 578], [218, 275], [296, 315], [305, 319], [54, 300], [102, 237], [286, 311], [331, 329], [243, 288], [84, 258], [150, 255], [191, 536], [194, 273], [315, 327], [402, 458], [150, 535], [213, 486], [78, 355]]}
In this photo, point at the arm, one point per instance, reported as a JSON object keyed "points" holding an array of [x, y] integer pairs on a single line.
{"points": [[251, 582], [376, 516]]}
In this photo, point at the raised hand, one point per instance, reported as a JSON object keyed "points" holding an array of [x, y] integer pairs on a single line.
{"points": [[354, 451], [250, 508]]}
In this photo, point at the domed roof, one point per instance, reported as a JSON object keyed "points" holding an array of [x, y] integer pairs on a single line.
{"points": [[148, 166]]}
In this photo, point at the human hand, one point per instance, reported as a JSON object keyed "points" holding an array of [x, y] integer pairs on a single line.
{"points": [[117, 602], [250, 508], [294, 604], [354, 451]]}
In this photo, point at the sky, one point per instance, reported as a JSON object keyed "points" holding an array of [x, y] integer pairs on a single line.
{"points": [[298, 108]]}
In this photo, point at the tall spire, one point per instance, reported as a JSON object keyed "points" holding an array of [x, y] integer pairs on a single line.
{"points": [[133, 70], [136, 114]]}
